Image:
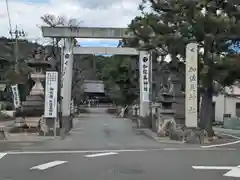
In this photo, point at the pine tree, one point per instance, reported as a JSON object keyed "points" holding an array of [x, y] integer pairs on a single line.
{"points": [[213, 24]]}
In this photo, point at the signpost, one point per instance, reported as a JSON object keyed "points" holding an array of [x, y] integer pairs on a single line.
{"points": [[16, 97], [51, 93], [191, 89]]}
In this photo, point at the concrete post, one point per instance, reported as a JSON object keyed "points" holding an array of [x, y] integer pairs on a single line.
{"points": [[66, 86]]}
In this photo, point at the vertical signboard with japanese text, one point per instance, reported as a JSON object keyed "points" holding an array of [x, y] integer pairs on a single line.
{"points": [[144, 59], [51, 89], [16, 96], [191, 90]]}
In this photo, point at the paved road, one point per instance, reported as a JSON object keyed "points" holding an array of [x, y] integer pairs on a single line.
{"points": [[101, 147], [124, 165]]}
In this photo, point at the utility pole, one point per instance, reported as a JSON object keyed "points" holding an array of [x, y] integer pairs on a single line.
{"points": [[17, 34]]}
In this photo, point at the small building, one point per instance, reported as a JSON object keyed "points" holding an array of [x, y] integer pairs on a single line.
{"points": [[228, 103], [94, 89]]}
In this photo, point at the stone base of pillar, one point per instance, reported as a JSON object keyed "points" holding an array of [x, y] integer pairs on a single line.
{"points": [[140, 122], [67, 123], [71, 121], [50, 133], [144, 109]]}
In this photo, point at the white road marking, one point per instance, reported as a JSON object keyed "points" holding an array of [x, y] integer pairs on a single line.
{"points": [[171, 149], [200, 149], [235, 172], [214, 167], [78, 152], [48, 165], [101, 154], [2, 155], [220, 145], [117, 150], [230, 135]]}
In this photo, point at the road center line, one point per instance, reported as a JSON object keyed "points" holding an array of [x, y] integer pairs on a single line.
{"points": [[48, 165], [214, 167], [2, 155], [101, 154]]}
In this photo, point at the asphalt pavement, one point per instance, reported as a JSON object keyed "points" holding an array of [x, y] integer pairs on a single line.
{"points": [[103, 147]]}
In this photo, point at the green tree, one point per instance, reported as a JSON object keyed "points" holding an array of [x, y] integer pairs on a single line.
{"points": [[17, 73], [213, 24], [55, 21], [118, 77]]}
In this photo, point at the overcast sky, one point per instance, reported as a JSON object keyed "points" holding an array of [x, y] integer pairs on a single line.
{"points": [[26, 14]]}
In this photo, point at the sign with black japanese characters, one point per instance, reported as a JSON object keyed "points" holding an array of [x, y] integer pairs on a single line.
{"points": [[144, 76], [16, 97], [50, 110]]}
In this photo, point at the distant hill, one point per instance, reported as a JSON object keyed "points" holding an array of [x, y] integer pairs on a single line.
{"points": [[7, 48], [26, 49]]}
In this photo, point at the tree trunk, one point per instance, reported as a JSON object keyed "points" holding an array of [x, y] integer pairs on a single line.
{"points": [[206, 111]]}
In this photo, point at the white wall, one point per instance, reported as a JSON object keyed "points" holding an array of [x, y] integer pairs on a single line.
{"points": [[230, 103], [93, 86]]}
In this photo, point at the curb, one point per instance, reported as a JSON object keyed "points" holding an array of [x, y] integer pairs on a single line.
{"points": [[33, 139], [227, 131], [5, 130], [152, 135]]}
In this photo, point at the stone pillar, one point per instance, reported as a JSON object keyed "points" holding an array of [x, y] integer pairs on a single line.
{"points": [[191, 114], [66, 86]]}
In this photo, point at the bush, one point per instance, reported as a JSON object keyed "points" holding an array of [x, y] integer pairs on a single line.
{"points": [[7, 106], [83, 110], [29, 112], [4, 116], [112, 110]]}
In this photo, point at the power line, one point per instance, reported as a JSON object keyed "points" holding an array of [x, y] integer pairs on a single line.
{"points": [[9, 18]]}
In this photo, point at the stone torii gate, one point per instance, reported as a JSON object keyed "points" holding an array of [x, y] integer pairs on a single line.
{"points": [[69, 33]]}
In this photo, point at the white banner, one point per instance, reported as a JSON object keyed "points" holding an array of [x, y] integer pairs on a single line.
{"points": [[51, 93], [16, 96], [144, 67], [191, 88]]}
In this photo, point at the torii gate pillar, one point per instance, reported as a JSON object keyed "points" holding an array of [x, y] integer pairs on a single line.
{"points": [[66, 84]]}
